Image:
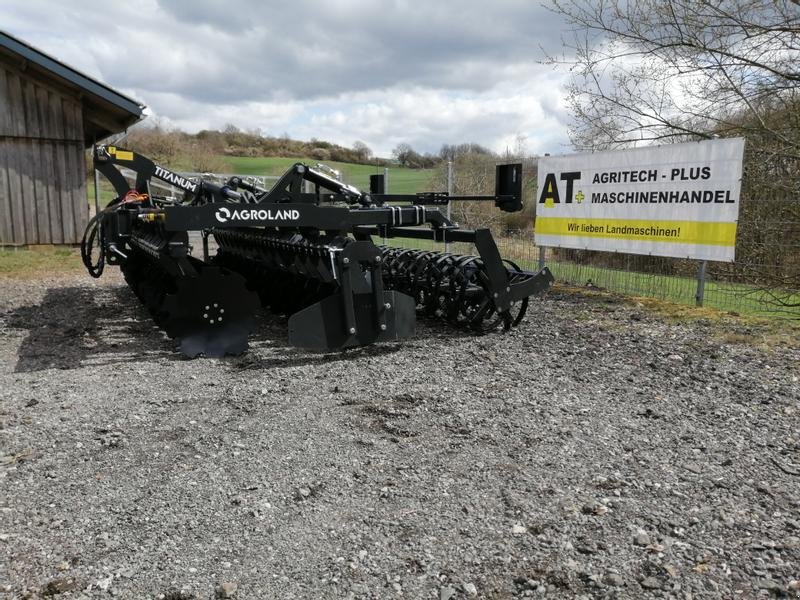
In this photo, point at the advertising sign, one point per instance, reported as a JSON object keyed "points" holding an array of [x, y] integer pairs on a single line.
{"points": [[680, 200]]}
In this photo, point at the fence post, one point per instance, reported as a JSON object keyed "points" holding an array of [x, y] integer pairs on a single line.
{"points": [[385, 189], [542, 249], [701, 283], [449, 193]]}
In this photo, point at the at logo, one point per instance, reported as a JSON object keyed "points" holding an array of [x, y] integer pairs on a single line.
{"points": [[550, 196], [222, 214]]}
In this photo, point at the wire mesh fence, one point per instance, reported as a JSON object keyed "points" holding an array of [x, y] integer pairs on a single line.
{"points": [[743, 287]]}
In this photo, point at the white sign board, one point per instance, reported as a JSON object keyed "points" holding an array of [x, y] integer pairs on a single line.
{"points": [[679, 200]]}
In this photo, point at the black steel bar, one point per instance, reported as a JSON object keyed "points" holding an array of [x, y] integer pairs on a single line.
{"points": [[420, 233]]}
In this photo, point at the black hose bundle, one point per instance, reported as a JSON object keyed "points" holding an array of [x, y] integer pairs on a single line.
{"points": [[94, 234]]}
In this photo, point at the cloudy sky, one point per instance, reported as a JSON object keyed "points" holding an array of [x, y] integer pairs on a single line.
{"points": [[338, 70]]}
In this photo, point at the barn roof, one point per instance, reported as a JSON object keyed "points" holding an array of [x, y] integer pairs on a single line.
{"points": [[106, 111]]}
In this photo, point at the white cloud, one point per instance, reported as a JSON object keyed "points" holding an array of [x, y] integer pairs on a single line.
{"points": [[341, 70]]}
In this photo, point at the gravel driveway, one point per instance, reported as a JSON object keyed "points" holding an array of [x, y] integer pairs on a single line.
{"points": [[596, 451]]}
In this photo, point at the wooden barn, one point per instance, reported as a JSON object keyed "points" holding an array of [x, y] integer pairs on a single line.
{"points": [[49, 114]]}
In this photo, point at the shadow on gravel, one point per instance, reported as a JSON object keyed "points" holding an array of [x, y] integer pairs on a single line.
{"points": [[77, 325], [80, 326], [294, 357]]}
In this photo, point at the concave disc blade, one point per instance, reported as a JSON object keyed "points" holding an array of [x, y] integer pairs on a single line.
{"points": [[211, 314]]}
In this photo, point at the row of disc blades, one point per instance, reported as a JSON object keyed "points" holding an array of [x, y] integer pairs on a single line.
{"points": [[209, 311], [452, 287], [284, 292]]}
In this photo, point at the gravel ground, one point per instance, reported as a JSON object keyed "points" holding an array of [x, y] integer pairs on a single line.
{"points": [[597, 451]]}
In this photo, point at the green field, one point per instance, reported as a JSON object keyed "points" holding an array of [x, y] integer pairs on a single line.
{"points": [[401, 180]]}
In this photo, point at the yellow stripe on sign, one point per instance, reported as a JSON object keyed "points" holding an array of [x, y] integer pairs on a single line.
{"points": [[124, 155], [645, 230]]}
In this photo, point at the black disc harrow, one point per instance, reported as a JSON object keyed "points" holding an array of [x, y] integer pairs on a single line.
{"points": [[304, 249], [452, 287]]}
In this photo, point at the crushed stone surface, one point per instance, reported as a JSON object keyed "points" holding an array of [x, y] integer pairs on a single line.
{"points": [[597, 451]]}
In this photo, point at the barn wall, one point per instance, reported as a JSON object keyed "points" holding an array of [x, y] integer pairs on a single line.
{"points": [[42, 174]]}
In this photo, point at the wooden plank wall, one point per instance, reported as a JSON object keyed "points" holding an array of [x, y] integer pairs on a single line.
{"points": [[42, 169]]}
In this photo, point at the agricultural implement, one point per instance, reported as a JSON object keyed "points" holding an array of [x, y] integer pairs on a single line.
{"points": [[302, 248]]}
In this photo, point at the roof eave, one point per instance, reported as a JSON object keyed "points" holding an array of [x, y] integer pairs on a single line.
{"points": [[90, 85]]}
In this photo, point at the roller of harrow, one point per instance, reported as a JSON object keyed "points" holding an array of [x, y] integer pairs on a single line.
{"points": [[452, 287], [305, 254]]}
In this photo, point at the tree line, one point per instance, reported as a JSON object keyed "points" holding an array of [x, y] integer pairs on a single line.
{"points": [[206, 150]]}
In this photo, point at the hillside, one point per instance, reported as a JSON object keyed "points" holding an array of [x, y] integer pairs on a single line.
{"points": [[401, 180], [237, 152]]}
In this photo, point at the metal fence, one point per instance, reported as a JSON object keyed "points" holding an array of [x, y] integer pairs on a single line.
{"points": [[743, 287]]}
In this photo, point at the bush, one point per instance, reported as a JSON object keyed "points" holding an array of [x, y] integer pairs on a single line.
{"points": [[320, 154]]}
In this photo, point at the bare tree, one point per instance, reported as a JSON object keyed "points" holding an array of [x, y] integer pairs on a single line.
{"points": [[364, 152], [652, 70], [403, 153], [645, 71], [452, 151]]}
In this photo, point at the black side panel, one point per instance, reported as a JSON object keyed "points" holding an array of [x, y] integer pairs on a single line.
{"points": [[322, 326]]}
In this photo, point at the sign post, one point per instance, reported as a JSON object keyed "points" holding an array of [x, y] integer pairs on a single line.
{"points": [[701, 283]]}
